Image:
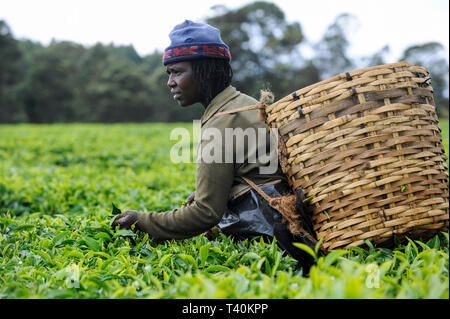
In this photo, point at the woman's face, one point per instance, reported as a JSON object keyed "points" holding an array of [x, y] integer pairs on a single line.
{"points": [[181, 83]]}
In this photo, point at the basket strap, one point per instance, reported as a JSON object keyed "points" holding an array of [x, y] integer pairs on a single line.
{"points": [[257, 189], [270, 201], [241, 109], [265, 98]]}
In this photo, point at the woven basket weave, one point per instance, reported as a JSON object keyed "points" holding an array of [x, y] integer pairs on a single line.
{"points": [[366, 148]]}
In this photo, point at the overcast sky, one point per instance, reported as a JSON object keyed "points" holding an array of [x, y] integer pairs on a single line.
{"points": [[146, 24]]}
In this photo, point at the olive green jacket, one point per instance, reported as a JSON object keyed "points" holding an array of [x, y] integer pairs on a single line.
{"points": [[216, 183]]}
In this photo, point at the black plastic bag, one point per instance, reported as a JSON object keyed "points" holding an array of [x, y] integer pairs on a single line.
{"points": [[250, 215]]}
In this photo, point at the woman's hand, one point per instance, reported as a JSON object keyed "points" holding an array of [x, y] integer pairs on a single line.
{"points": [[125, 220], [189, 199]]}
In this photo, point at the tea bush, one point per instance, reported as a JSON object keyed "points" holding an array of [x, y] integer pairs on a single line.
{"points": [[57, 185]]}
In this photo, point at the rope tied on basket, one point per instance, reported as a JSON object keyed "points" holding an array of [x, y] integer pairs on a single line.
{"points": [[266, 98], [286, 206]]}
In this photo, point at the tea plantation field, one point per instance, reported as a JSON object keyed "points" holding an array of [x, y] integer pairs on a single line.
{"points": [[57, 186]]}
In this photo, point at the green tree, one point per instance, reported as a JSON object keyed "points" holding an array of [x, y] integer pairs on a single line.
{"points": [[264, 47], [92, 64], [331, 56], [432, 56], [49, 84], [153, 61], [118, 93], [65, 81], [378, 58], [126, 52], [10, 75]]}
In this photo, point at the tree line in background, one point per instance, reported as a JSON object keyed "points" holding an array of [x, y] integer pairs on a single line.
{"points": [[68, 82]]}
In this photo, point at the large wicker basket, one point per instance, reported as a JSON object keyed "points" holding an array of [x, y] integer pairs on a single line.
{"points": [[366, 148]]}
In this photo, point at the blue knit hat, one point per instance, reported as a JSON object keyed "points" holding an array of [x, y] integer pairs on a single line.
{"points": [[191, 40]]}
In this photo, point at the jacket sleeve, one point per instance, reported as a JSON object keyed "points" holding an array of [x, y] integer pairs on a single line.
{"points": [[213, 185]]}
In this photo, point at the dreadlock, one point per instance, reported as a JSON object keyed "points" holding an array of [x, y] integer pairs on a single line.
{"points": [[212, 75]]}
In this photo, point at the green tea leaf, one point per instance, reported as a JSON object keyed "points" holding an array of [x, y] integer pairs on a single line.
{"points": [[58, 239], [115, 210], [43, 254], [370, 245], [125, 233], [155, 281], [423, 245], [332, 257], [259, 263], [249, 257], [188, 259], [5, 249], [165, 259], [166, 276], [25, 227], [268, 269], [434, 242], [74, 253], [306, 249], [217, 268], [102, 235], [318, 244], [103, 254], [204, 254], [92, 244]]}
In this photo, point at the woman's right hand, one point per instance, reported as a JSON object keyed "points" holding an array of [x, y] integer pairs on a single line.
{"points": [[125, 220], [189, 199]]}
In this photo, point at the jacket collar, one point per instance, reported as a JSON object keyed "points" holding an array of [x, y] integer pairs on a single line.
{"points": [[218, 102]]}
